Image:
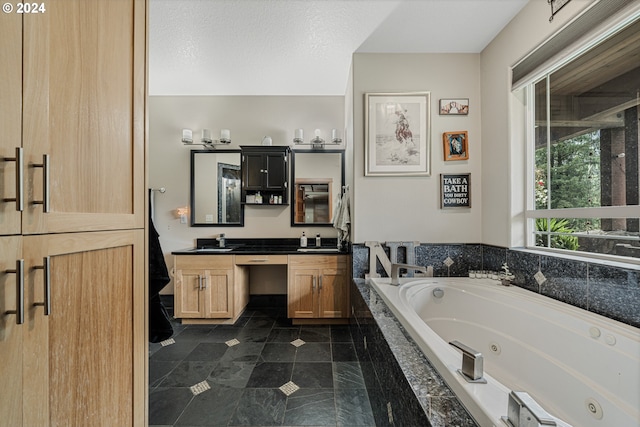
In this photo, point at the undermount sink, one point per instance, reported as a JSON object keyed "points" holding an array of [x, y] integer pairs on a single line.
{"points": [[318, 250], [208, 250]]}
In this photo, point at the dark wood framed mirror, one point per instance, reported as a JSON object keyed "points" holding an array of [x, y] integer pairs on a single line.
{"points": [[317, 178], [215, 189]]}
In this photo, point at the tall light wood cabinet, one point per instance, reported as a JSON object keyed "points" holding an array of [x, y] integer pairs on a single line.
{"points": [[72, 112], [318, 287]]}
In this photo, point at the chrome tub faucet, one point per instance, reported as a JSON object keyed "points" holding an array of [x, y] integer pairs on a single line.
{"points": [[395, 271]]}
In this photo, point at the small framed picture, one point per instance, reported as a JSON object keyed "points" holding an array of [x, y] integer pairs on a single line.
{"points": [[454, 106], [455, 190], [455, 145]]}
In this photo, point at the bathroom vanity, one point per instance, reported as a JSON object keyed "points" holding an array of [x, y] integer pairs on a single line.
{"points": [[212, 283]]}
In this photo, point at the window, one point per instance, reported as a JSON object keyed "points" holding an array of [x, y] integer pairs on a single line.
{"points": [[584, 178]]}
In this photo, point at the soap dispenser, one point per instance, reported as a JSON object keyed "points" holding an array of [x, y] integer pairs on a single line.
{"points": [[303, 240]]}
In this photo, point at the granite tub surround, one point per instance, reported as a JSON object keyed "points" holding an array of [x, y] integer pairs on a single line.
{"points": [[607, 290], [404, 388]]}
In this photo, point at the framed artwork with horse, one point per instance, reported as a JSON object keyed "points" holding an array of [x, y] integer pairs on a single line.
{"points": [[397, 134]]}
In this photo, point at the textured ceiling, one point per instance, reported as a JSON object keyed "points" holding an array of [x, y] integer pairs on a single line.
{"points": [[302, 47]]}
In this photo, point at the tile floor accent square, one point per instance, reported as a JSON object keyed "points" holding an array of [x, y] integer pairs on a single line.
{"points": [[297, 342], [289, 388], [196, 389], [167, 342], [232, 342]]}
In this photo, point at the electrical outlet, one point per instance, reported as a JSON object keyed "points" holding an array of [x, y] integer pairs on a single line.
{"points": [[208, 218]]}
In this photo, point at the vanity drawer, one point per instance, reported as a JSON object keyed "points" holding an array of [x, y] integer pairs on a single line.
{"points": [[261, 259], [203, 262]]}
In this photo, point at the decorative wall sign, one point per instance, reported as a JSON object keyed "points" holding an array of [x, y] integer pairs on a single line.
{"points": [[397, 134], [556, 5], [454, 106], [455, 145], [455, 190]]}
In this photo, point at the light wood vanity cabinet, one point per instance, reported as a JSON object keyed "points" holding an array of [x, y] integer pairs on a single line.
{"points": [[318, 286], [215, 288], [204, 287], [72, 114]]}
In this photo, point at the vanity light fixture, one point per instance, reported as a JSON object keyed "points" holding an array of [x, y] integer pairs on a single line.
{"points": [[317, 141], [206, 140]]}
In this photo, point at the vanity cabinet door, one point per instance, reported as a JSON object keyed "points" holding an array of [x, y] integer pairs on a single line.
{"points": [[334, 293], [318, 286], [204, 287], [189, 301], [302, 294]]}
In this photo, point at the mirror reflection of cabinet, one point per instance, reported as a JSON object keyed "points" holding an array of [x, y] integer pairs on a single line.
{"points": [[318, 177], [216, 188]]}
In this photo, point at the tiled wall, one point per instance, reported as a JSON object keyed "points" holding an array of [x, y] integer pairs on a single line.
{"points": [[610, 291]]}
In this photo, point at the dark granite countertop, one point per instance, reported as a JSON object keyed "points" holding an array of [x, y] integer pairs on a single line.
{"points": [[211, 246]]}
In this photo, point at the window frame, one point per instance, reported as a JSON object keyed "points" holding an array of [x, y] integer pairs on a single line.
{"points": [[530, 211]]}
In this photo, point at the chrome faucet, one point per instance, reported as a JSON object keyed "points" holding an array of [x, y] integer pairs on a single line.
{"points": [[472, 363], [395, 271], [524, 411], [220, 239]]}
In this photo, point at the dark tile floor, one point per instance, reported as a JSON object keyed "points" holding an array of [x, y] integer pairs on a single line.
{"points": [[201, 380]]}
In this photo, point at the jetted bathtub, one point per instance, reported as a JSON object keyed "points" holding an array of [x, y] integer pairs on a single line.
{"points": [[582, 368]]}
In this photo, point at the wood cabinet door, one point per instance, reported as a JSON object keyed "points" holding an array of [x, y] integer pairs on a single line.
{"points": [[11, 334], [303, 293], [253, 171], [85, 362], [276, 167], [10, 118], [334, 293], [83, 94], [218, 294], [188, 295]]}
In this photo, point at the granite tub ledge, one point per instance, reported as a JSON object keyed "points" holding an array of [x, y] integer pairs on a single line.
{"points": [[441, 407]]}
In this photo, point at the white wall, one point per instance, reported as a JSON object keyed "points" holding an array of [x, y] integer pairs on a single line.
{"points": [[503, 156], [249, 118], [408, 208]]}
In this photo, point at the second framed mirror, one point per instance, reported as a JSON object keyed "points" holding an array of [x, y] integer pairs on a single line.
{"points": [[317, 178]]}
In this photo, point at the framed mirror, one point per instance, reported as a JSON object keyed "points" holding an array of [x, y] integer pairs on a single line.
{"points": [[317, 177], [215, 189]]}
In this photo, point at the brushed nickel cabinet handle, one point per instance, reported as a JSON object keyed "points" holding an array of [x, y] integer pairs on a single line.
{"points": [[45, 183], [19, 272], [199, 282], [19, 159], [47, 285]]}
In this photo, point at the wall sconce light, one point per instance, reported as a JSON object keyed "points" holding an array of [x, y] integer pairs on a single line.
{"points": [[317, 141], [206, 140], [182, 212]]}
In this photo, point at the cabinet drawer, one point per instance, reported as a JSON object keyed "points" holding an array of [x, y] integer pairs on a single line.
{"points": [[261, 259], [203, 262], [318, 261]]}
